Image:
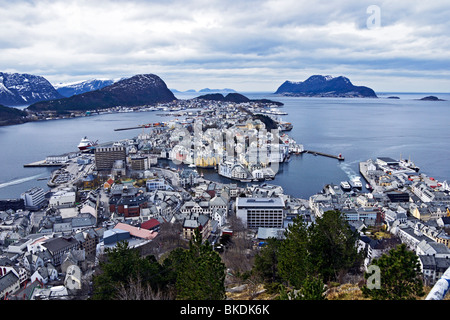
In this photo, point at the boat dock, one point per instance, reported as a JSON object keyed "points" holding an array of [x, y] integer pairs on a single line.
{"points": [[338, 157], [42, 163]]}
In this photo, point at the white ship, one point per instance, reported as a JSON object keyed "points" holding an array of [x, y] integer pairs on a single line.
{"points": [[345, 185], [356, 183], [408, 164], [85, 144]]}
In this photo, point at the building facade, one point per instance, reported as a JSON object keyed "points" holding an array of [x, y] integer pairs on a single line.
{"points": [[105, 157], [260, 212]]}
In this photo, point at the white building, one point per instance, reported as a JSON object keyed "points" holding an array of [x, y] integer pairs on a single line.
{"points": [[62, 199], [33, 198], [260, 212], [157, 184]]}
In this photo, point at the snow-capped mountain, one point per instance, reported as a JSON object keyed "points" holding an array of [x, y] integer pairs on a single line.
{"points": [[71, 89], [18, 89], [139, 90]]}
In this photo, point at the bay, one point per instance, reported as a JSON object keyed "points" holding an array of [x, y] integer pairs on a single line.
{"points": [[360, 129]]}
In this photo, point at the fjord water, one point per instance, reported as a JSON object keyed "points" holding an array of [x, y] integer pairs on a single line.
{"points": [[358, 128]]}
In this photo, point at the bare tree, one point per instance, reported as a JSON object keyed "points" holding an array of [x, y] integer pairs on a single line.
{"points": [[134, 290]]}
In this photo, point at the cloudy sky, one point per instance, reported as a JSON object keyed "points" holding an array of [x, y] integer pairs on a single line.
{"points": [[254, 45]]}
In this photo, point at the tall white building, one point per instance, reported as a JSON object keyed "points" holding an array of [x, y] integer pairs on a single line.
{"points": [[33, 198], [260, 212]]}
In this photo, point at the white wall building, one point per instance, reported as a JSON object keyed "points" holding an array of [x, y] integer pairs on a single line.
{"points": [[62, 199], [33, 198], [260, 212]]}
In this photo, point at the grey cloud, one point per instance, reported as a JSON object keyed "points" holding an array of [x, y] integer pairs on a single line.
{"points": [[223, 39]]}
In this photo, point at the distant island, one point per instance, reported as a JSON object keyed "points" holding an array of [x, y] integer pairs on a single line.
{"points": [[205, 90], [325, 86], [236, 98], [431, 98]]}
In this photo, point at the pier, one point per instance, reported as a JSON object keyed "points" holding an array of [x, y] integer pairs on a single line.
{"points": [[339, 157], [42, 163]]}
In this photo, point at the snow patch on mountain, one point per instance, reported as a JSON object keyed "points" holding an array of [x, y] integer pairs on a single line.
{"points": [[21, 89]]}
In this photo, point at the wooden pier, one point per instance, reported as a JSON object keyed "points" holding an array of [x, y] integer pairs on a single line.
{"points": [[338, 157]]}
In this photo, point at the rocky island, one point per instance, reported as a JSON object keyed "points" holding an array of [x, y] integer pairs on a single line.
{"points": [[431, 98], [236, 98], [325, 86]]}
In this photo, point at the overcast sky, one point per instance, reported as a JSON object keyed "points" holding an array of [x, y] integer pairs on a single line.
{"points": [[244, 45]]}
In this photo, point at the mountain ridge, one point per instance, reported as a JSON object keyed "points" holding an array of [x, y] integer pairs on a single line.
{"points": [[142, 89], [19, 89], [325, 86], [80, 87]]}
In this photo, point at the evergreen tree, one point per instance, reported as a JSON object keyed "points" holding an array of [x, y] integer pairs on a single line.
{"points": [[121, 266], [399, 275], [200, 273], [293, 255], [332, 245], [320, 250]]}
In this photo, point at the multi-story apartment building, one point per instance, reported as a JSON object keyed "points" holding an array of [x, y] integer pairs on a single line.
{"points": [[260, 212]]}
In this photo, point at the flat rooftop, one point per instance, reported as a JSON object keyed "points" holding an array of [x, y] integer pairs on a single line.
{"points": [[276, 202]]}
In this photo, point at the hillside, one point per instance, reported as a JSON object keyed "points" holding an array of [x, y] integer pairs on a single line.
{"points": [[139, 90], [325, 86], [10, 115]]}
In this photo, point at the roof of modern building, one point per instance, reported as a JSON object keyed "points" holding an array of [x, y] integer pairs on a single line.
{"points": [[259, 202]]}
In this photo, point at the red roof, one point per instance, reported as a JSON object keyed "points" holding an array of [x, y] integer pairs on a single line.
{"points": [[136, 232], [150, 224]]}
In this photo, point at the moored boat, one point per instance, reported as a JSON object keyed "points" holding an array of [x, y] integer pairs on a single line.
{"points": [[85, 144], [345, 185]]}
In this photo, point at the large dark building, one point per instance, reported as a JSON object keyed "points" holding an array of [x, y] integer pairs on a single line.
{"points": [[106, 156], [396, 196]]}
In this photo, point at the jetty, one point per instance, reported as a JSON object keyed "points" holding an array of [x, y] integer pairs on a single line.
{"points": [[339, 157], [42, 163]]}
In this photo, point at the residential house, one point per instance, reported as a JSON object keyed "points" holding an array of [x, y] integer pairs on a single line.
{"points": [[6, 266], [88, 239], [9, 283], [432, 248], [45, 274], [57, 247], [72, 280], [219, 215], [151, 225], [433, 268], [202, 223]]}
